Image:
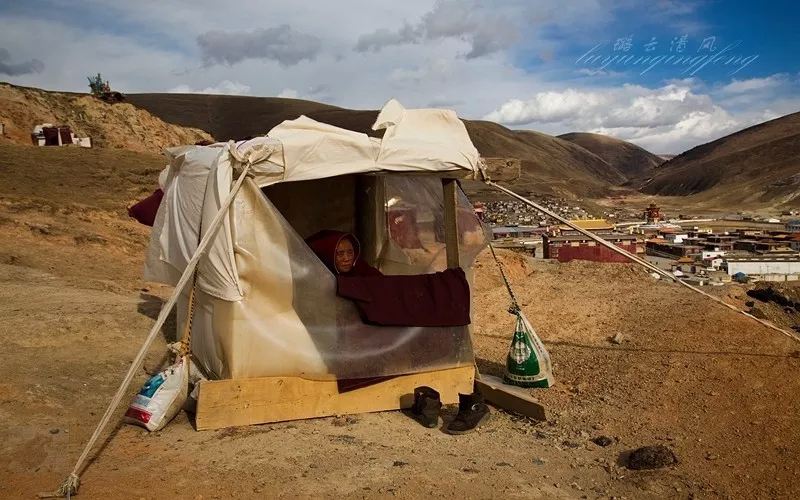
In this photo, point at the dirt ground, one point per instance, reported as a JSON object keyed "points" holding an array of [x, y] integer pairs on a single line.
{"points": [[717, 388]]}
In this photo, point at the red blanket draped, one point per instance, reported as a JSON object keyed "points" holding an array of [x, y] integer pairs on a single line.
{"points": [[437, 299]]}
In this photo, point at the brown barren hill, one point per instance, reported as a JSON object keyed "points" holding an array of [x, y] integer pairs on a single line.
{"points": [[119, 125], [757, 165], [228, 117], [550, 165], [628, 158]]}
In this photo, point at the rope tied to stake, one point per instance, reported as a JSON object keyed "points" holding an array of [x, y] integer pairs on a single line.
{"points": [[250, 156], [514, 309]]}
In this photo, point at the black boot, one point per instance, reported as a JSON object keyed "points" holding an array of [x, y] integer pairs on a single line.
{"points": [[426, 406], [472, 413]]}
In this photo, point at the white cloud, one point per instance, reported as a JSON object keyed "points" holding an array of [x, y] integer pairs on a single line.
{"points": [[433, 70], [484, 30], [671, 118], [225, 87], [281, 43], [546, 107], [754, 84], [597, 72], [288, 94], [70, 55], [9, 68], [629, 105]]}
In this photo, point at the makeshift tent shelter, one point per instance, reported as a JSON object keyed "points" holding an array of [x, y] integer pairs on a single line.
{"points": [[267, 324]]}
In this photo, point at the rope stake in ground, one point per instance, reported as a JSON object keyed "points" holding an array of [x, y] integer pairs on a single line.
{"points": [[636, 259], [72, 482]]}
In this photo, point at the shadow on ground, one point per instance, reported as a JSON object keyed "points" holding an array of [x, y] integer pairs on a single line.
{"points": [[487, 367], [150, 306]]}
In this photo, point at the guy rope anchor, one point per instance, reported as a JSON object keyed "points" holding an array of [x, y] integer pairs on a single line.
{"points": [[245, 160]]}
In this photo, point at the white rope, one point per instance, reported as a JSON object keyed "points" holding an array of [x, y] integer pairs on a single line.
{"points": [[72, 482], [636, 259]]}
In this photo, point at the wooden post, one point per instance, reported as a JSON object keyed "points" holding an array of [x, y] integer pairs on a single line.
{"points": [[371, 216], [450, 188]]}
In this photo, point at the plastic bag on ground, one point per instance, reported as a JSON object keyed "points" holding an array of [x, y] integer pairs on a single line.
{"points": [[161, 397], [528, 362]]}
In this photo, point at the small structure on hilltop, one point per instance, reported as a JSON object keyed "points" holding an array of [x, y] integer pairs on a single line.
{"points": [[47, 134], [102, 90]]}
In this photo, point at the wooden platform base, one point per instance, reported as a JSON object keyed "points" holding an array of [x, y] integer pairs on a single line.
{"points": [[238, 402]]}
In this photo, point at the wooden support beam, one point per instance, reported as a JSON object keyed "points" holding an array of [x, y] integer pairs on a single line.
{"points": [[450, 188], [508, 397], [371, 226], [250, 401]]}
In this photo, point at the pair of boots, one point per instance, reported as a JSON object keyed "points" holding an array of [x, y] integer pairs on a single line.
{"points": [[472, 410]]}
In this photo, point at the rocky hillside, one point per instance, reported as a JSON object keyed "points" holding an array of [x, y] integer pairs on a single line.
{"points": [[760, 164], [121, 125]]}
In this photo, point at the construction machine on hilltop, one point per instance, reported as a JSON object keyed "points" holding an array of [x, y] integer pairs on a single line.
{"points": [[102, 90]]}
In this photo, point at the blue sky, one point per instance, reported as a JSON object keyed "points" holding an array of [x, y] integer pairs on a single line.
{"points": [[765, 40], [511, 61]]}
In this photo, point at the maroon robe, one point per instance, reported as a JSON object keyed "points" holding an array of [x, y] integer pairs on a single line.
{"points": [[324, 245]]}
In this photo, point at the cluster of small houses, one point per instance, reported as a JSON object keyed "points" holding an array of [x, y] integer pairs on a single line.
{"points": [[698, 255], [744, 254], [516, 212]]}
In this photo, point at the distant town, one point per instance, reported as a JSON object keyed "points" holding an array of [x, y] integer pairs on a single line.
{"points": [[699, 251]]}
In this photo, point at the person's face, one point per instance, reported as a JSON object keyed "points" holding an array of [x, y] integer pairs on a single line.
{"points": [[345, 256]]}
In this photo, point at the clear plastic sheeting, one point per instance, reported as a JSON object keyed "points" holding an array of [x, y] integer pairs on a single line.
{"points": [[290, 321], [415, 220]]}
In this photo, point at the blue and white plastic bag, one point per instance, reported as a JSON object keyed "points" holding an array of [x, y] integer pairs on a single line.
{"points": [[161, 397]]}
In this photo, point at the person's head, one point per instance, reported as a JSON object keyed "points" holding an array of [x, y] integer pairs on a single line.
{"points": [[345, 255], [338, 250]]}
